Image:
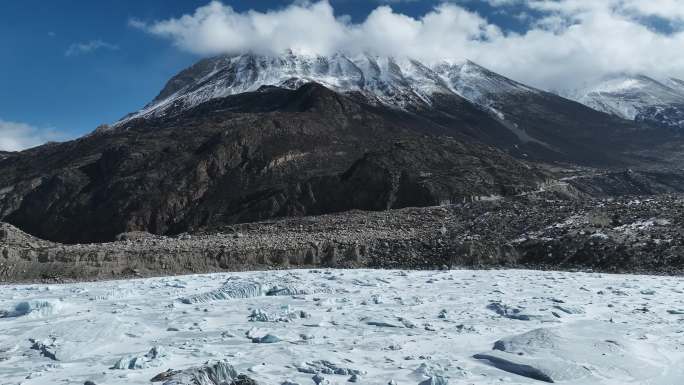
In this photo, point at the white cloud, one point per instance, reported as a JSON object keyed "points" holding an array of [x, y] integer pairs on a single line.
{"points": [[16, 136], [217, 28], [88, 47], [668, 9], [572, 42], [313, 27]]}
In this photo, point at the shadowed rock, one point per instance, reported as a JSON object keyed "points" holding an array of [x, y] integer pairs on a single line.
{"points": [[510, 366]]}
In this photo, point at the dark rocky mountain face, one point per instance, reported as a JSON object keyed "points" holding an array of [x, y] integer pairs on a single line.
{"points": [[668, 117], [252, 156], [202, 155]]}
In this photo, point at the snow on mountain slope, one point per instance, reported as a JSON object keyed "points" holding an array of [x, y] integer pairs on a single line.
{"points": [[401, 83], [637, 98], [478, 84], [391, 81], [676, 84]]}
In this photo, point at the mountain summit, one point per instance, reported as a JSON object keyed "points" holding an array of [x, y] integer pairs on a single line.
{"points": [[397, 82]]}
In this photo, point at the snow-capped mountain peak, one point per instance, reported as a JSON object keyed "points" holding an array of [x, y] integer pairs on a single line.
{"points": [[636, 97], [392, 81]]}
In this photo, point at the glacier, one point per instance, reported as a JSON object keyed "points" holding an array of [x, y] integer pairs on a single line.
{"points": [[371, 326]]}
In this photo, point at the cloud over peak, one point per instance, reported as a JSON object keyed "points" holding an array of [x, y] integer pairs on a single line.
{"points": [[314, 28], [568, 41]]}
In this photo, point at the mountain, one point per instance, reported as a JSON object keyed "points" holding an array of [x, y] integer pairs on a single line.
{"points": [[521, 120], [637, 97], [390, 81], [547, 126], [270, 153], [244, 138]]}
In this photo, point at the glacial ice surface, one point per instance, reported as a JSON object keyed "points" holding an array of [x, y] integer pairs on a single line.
{"points": [[368, 326]]}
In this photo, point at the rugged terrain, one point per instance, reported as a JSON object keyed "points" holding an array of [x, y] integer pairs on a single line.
{"points": [[548, 232], [271, 153], [252, 162], [234, 141], [237, 139]]}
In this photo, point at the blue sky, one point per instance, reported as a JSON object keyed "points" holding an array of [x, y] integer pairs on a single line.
{"points": [[70, 65], [44, 87]]}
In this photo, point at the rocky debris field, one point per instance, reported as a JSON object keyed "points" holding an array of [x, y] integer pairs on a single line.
{"points": [[628, 234], [330, 326]]}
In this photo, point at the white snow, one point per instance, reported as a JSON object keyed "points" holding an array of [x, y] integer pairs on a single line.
{"points": [[393, 81], [411, 327], [397, 82], [479, 85]]}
